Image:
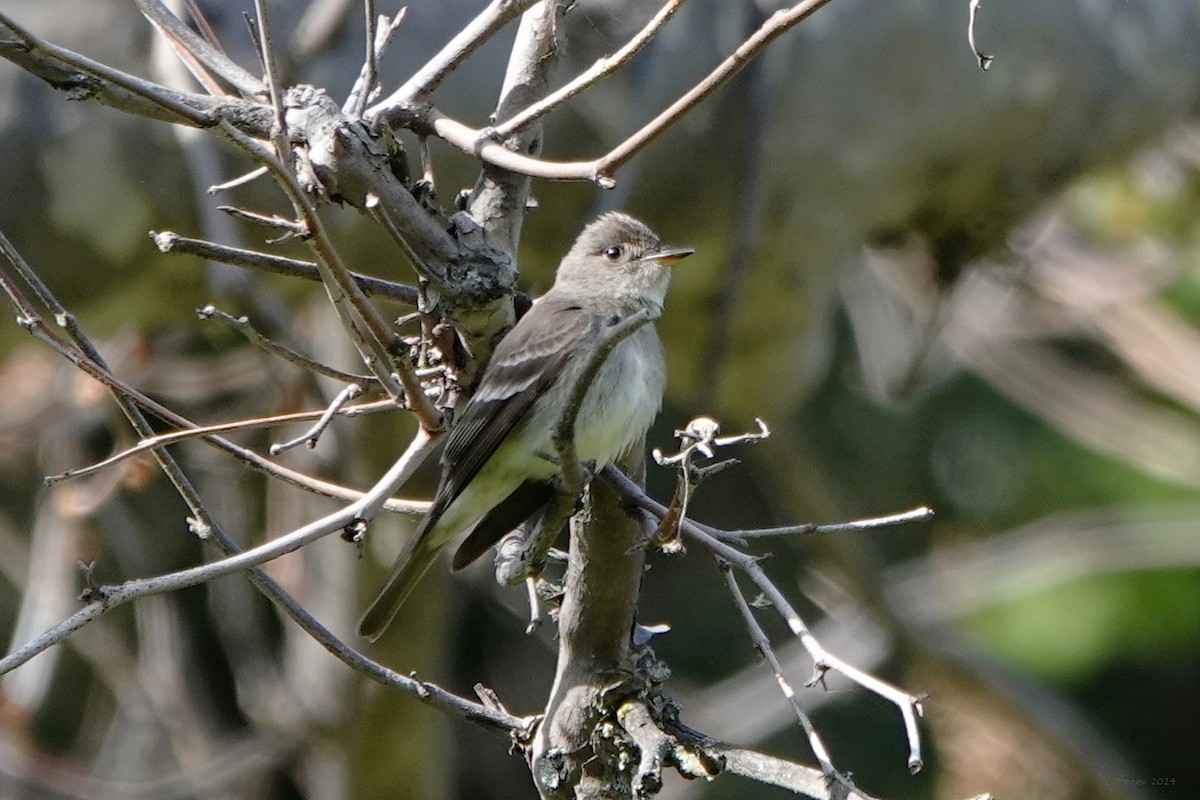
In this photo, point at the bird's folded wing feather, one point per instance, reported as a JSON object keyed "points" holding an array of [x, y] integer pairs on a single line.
{"points": [[525, 364]]}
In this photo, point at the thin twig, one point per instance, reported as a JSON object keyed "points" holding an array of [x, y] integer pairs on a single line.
{"points": [[600, 170], [359, 95], [370, 69], [168, 242], [204, 526], [761, 643], [919, 514], [369, 332], [174, 437], [777, 24], [240, 180], [472, 36], [242, 325], [102, 598], [289, 226], [83, 78], [589, 77], [129, 399], [378, 343], [909, 705], [161, 17], [267, 54], [310, 437], [248, 457]]}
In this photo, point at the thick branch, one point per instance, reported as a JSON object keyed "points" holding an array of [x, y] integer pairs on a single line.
{"points": [[84, 79]]}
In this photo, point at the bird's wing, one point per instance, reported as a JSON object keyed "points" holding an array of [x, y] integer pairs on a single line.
{"points": [[526, 500], [525, 363]]}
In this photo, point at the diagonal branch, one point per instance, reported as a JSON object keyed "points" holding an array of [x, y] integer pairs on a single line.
{"points": [[82, 79], [169, 242], [174, 28], [589, 77], [103, 598], [473, 36], [174, 437], [823, 661], [481, 143]]}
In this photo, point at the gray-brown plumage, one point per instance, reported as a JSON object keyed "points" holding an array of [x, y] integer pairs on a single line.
{"points": [[498, 466]]}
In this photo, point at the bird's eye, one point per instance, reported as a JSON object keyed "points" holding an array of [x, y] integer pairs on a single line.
{"points": [[612, 253]]}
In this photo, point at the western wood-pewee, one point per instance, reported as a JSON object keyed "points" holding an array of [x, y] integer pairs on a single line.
{"points": [[499, 464]]}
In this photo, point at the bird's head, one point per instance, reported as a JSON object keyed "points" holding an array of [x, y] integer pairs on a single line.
{"points": [[618, 256]]}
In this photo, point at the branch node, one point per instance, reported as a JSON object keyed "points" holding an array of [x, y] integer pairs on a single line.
{"points": [[355, 533], [200, 528]]}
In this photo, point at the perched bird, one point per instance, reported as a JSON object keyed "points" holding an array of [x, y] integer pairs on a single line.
{"points": [[499, 464]]}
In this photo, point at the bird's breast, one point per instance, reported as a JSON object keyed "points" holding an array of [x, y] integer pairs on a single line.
{"points": [[623, 399]]}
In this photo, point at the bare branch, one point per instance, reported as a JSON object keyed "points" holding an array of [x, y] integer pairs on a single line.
{"points": [[174, 437], [313, 434], [378, 344], [908, 705], [103, 598], [919, 514], [267, 54], [218, 62], [481, 144], [589, 77], [87, 359], [366, 85], [370, 70], [777, 24], [242, 325], [761, 643], [168, 242], [489, 22], [499, 197], [81, 78], [768, 769]]}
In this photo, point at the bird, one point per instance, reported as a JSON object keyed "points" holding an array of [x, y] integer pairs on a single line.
{"points": [[499, 463]]}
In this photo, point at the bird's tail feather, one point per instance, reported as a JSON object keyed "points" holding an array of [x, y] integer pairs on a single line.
{"points": [[412, 563]]}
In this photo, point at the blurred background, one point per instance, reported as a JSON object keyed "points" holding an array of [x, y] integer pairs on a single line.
{"points": [[976, 291]]}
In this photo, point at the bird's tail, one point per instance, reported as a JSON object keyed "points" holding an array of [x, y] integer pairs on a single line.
{"points": [[413, 562]]}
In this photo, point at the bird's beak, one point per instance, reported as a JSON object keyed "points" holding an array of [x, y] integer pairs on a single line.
{"points": [[669, 254]]}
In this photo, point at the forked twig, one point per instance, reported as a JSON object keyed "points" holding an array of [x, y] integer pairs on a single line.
{"points": [[161, 17], [310, 437], [399, 110], [85, 356], [823, 661], [472, 36]]}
